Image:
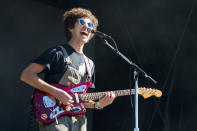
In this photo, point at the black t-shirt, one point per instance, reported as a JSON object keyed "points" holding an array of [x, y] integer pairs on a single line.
{"points": [[53, 60]]}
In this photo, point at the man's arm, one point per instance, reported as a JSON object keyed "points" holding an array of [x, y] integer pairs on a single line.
{"points": [[29, 76]]}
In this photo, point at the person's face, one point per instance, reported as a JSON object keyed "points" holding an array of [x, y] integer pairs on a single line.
{"points": [[80, 32]]}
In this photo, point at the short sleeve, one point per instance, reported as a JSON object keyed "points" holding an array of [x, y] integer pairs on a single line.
{"points": [[49, 58]]}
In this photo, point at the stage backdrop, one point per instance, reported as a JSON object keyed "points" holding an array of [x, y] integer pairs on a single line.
{"points": [[159, 36]]}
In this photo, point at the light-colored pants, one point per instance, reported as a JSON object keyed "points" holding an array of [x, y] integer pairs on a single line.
{"points": [[66, 123]]}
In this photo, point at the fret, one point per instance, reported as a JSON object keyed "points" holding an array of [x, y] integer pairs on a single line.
{"points": [[123, 92]]}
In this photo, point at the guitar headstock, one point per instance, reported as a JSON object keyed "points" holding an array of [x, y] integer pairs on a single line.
{"points": [[148, 92]]}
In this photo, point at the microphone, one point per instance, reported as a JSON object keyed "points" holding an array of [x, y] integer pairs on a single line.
{"points": [[101, 34]]}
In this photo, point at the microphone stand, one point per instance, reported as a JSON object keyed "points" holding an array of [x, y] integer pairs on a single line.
{"points": [[136, 72]]}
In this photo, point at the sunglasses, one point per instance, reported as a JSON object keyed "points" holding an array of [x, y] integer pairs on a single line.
{"points": [[90, 24]]}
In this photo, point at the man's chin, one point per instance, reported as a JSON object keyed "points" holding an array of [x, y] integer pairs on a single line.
{"points": [[84, 40]]}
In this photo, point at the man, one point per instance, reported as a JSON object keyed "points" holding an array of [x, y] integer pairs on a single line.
{"points": [[67, 65]]}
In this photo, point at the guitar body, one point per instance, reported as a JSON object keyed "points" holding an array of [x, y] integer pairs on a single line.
{"points": [[47, 109]]}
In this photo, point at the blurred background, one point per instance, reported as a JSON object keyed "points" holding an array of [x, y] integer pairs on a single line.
{"points": [[158, 35]]}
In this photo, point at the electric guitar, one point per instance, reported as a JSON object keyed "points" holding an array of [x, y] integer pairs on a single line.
{"points": [[47, 109]]}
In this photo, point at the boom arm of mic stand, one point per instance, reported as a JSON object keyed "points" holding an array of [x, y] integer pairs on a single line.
{"points": [[130, 62]]}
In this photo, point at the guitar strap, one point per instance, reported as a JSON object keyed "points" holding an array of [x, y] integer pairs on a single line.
{"points": [[66, 56], [87, 66]]}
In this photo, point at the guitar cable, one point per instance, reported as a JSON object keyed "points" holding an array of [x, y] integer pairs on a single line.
{"points": [[130, 85], [131, 99]]}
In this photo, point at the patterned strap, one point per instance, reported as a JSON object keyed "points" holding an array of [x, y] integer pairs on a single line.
{"points": [[87, 66], [66, 56]]}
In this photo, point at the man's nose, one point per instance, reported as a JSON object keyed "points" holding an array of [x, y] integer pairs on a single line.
{"points": [[86, 25]]}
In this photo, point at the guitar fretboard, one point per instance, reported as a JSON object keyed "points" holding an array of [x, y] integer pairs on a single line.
{"points": [[99, 95]]}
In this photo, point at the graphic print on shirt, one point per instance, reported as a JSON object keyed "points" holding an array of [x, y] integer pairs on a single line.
{"points": [[82, 68]]}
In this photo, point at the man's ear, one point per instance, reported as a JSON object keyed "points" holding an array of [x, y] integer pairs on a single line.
{"points": [[70, 29]]}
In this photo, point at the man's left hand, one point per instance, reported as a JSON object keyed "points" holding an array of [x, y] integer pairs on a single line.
{"points": [[107, 100]]}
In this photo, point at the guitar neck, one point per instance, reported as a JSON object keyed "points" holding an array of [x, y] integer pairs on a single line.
{"points": [[99, 95]]}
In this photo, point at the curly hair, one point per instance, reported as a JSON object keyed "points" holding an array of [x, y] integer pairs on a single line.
{"points": [[70, 17]]}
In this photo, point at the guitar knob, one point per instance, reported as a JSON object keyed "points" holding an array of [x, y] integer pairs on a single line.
{"points": [[68, 83]]}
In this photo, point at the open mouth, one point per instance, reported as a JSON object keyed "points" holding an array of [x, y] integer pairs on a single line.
{"points": [[83, 33]]}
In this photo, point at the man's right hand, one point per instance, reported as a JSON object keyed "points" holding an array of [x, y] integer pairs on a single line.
{"points": [[63, 97]]}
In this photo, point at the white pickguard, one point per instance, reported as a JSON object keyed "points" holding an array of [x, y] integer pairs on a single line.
{"points": [[58, 110], [49, 101], [80, 88]]}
